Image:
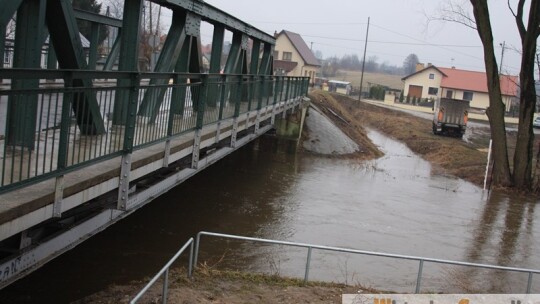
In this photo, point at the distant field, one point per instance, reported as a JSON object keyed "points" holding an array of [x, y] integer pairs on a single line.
{"points": [[392, 81]]}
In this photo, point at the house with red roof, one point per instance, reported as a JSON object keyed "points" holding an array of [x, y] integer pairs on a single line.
{"points": [[436, 82], [292, 56]]}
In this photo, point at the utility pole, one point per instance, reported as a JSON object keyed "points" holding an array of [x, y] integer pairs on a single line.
{"points": [[311, 48], [363, 62], [502, 56]]}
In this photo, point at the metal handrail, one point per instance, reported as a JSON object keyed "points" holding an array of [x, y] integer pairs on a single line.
{"points": [[421, 260], [165, 272], [79, 124]]}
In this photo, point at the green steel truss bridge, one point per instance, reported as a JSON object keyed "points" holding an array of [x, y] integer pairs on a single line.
{"points": [[84, 144]]}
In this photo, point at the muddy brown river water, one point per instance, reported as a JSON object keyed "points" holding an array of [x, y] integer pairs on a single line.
{"points": [[394, 204]]}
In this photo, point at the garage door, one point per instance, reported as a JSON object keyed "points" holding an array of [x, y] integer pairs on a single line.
{"points": [[415, 91]]}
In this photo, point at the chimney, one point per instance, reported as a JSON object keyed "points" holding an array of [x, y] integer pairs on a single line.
{"points": [[429, 64], [419, 66]]}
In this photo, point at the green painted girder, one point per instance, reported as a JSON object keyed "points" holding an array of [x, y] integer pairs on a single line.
{"points": [[92, 52], [242, 68], [217, 49], [52, 63], [64, 36], [234, 54], [254, 66], [231, 64], [113, 53], [215, 65], [9, 7], [22, 109], [96, 18], [178, 97], [265, 68], [2, 44], [129, 56], [216, 16], [153, 97], [195, 67]]}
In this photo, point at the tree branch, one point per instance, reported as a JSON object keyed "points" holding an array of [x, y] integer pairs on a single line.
{"points": [[450, 12], [519, 18]]}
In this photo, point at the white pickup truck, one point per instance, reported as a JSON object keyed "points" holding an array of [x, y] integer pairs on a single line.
{"points": [[450, 116]]}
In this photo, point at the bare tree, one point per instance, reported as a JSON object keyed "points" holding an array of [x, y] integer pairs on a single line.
{"points": [[529, 35], [495, 111], [521, 176]]}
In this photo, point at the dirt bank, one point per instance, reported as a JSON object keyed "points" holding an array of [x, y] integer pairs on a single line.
{"points": [[211, 286], [447, 155]]}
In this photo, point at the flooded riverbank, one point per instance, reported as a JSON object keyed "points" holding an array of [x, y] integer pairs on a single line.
{"points": [[394, 204]]}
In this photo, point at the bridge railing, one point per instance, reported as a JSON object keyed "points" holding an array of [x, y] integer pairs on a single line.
{"points": [[54, 121]]}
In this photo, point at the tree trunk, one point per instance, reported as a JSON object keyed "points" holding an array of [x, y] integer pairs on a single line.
{"points": [[536, 183], [495, 112], [523, 156]]}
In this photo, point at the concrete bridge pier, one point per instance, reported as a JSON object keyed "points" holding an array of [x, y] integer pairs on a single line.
{"points": [[291, 123]]}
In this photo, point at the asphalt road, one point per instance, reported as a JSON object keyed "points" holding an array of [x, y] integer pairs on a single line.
{"points": [[473, 124]]}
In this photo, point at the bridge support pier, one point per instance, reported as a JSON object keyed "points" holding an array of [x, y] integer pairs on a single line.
{"points": [[290, 125]]}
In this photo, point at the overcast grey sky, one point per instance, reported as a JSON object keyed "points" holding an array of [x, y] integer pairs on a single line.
{"points": [[398, 28]]}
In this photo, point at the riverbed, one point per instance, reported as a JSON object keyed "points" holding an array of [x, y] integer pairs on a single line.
{"points": [[397, 204]]}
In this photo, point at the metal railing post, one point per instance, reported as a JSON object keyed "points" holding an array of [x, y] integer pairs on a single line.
{"points": [[197, 244], [529, 283], [287, 96], [65, 123], [419, 278], [165, 286], [239, 96], [222, 96], [308, 262], [190, 265], [165, 272]]}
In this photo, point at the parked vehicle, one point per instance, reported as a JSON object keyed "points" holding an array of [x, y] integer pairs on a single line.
{"points": [[450, 116], [536, 122]]}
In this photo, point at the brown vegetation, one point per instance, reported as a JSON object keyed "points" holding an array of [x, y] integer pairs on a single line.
{"points": [[212, 286]]}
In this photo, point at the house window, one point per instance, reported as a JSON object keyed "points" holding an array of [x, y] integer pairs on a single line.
{"points": [[449, 94], [287, 56], [433, 91], [276, 55], [6, 57], [467, 96], [431, 76]]}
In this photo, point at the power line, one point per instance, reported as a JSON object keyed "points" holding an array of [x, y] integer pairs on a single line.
{"points": [[307, 23], [394, 42]]}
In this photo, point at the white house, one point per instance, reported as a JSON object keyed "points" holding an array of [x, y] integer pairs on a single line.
{"points": [[435, 82], [292, 56]]}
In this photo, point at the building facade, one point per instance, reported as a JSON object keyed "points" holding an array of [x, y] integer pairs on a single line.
{"points": [[292, 56], [434, 82]]}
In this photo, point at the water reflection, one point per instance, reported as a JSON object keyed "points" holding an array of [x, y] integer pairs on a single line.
{"points": [[396, 204], [504, 236]]}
